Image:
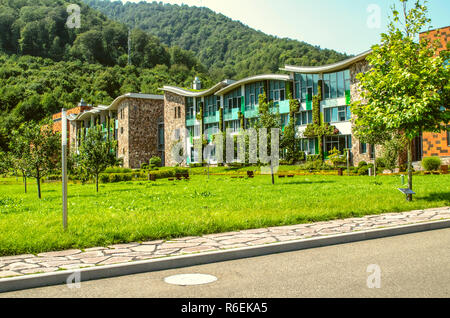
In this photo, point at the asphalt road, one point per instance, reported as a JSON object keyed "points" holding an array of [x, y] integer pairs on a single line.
{"points": [[414, 265]]}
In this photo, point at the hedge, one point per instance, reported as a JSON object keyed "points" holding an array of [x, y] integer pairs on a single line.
{"points": [[431, 163]]}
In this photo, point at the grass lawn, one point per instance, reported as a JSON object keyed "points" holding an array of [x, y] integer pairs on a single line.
{"points": [[138, 211]]}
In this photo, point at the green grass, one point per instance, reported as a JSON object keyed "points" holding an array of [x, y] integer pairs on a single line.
{"points": [[139, 211]]}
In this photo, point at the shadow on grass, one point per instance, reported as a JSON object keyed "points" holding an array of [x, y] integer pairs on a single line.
{"points": [[305, 182], [438, 196]]}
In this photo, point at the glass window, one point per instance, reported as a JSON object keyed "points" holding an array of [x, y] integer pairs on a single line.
{"points": [[347, 79], [333, 86], [363, 148], [327, 115], [339, 142], [340, 84], [308, 145], [341, 113]]}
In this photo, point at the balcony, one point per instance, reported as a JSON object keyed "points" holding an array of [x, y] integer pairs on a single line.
{"points": [[251, 112], [231, 114], [212, 118]]}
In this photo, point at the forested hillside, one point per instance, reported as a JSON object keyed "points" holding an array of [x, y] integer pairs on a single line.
{"points": [[45, 66], [229, 48]]}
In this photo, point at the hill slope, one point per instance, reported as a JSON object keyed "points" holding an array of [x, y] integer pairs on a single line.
{"points": [[45, 66], [229, 48]]}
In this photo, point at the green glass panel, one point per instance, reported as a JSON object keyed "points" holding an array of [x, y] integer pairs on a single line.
{"points": [[308, 104], [348, 97]]}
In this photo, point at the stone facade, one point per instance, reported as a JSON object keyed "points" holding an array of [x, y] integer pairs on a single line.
{"points": [[71, 131], [355, 92], [138, 130], [174, 119]]}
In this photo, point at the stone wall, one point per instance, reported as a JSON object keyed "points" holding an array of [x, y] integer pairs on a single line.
{"points": [[138, 130], [172, 122], [355, 92]]}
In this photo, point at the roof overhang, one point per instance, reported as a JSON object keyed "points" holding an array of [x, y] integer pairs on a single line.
{"points": [[326, 68], [188, 93], [252, 79], [114, 105]]}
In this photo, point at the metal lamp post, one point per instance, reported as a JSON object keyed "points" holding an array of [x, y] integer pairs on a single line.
{"points": [[64, 166]]}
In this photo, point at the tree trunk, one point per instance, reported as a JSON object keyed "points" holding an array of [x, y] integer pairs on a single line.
{"points": [[410, 174], [38, 180], [374, 161], [24, 177], [96, 181]]}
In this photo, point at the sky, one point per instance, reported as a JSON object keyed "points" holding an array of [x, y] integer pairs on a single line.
{"points": [[348, 26]]}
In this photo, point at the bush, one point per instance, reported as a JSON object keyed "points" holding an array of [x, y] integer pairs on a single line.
{"points": [[104, 178], [155, 162], [114, 177], [313, 158], [363, 170], [144, 166], [117, 170], [362, 164], [431, 163], [381, 163]]}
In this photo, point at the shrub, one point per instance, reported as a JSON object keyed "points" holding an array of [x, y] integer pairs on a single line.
{"points": [[313, 158], [381, 163], [155, 162], [362, 164], [431, 163], [114, 177], [104, 178], [117, 170], [144, 166], [363, 170]]}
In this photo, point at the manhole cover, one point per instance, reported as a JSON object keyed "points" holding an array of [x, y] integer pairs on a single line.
{"points": [[190, 279]]}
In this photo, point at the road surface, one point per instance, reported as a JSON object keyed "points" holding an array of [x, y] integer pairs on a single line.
{"points": [[414, 265]]}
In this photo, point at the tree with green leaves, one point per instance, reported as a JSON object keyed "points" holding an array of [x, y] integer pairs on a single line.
{"points": [[268, 119], [37, 150], [404, 89], [96, 153], [289, 141], [5, 164]]}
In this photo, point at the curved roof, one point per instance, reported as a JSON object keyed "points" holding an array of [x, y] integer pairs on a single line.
{"points": [[326, 68], [114, 105], [252, 79], [189, 93]]}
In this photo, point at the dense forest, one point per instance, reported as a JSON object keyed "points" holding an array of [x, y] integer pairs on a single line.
{"points": [[45, 66], [228, 48]]}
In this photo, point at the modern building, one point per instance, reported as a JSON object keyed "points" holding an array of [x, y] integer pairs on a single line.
{"points": [[150, 125], [234, 105], [136, 121]]}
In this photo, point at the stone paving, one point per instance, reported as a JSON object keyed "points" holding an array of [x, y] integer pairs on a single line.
{"points": [[122, 253]]}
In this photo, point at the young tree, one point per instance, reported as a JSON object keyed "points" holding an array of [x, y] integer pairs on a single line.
{"points": [[404, 89], [96, 153], [17, 158], [5, 164], [37, 150], [268, 120]]}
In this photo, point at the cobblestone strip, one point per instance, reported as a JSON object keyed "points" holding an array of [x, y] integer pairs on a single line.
{"points": [[121, 253]]}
